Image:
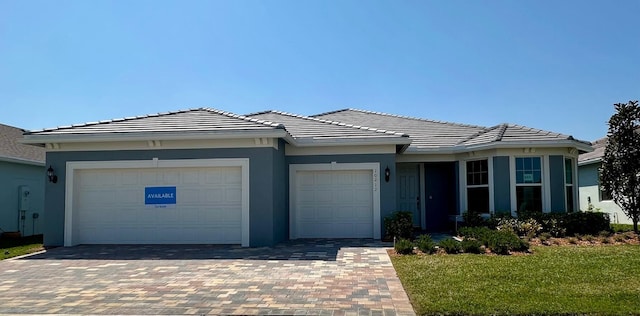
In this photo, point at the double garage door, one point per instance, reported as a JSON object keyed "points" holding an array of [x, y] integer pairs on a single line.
{"points": [[111, 206]]}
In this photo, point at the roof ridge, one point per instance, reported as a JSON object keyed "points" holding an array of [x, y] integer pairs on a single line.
{"points": [[158, 114], [540, 130], [404, 117], [503, 129], [330, 122], [476, 134]]}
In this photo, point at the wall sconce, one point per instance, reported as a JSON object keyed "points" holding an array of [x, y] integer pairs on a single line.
{"points": [[52, 177], [387, 174]]}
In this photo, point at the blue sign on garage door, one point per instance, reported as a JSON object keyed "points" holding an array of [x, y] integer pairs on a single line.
{"points": [[159, 195]]}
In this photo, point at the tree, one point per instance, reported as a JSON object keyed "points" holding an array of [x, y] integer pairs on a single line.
{"points": [[620, 171]]}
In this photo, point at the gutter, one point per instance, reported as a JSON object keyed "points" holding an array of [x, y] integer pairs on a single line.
{"points": [[23, 161]]}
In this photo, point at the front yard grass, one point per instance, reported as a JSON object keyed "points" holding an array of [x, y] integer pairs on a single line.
{"points": [[13, 247], [552, 280]]}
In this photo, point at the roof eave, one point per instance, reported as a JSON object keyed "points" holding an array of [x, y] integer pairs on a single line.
{"points": [[581, 147], [117, 137], [590, 161], [22, 161], [356, 141]]}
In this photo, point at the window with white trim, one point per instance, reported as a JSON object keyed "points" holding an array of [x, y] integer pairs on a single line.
{"points": [[568, 184], [478, 186], [529, 184]]}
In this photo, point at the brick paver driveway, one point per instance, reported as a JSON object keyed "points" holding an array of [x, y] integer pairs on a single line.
{"points": [[327, 277]]}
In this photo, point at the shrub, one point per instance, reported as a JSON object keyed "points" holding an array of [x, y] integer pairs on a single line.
{"points": [[399, 224], [604, 233], [572, 240], [473, 219], [404, 246], [425, 244], [471, 246], [450, 245], [619, 238], [544, 237], [587, 237], [586, 223], [501, 242], [605, 240], [522, 227], [478, 233]]}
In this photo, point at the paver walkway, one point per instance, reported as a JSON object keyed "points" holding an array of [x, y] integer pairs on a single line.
{"points": [[311, 277]]}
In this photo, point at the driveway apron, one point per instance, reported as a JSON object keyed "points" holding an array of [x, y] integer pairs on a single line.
{"points": [[309, 277]]}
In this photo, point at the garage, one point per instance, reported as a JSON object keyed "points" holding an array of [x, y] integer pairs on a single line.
{"points": [[334, 201], [206, 203]]}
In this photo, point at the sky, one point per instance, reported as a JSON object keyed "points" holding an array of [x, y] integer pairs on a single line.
{"points": [[547, 64]]}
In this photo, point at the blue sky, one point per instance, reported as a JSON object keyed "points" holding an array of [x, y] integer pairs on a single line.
{"points": [[554, 65]]}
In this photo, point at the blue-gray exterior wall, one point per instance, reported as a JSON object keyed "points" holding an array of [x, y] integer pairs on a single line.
{"points": [[501, 185], [13, 175], [265, 197], [281, 196], [556, 170], [588, 175], [387, 189]]}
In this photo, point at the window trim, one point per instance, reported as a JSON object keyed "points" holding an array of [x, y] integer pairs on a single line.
{"points": [[545, 176], [572, 184], [462, 176]]}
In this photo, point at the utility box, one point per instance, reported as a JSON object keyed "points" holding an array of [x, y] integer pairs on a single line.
{"points": [[24, 193]]}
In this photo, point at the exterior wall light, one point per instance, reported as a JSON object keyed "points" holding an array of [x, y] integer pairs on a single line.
{"points": [[52, 176], [387, 174]]}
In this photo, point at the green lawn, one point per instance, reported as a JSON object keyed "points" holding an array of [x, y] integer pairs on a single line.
{"points": [[552, 280], [10, 247]]}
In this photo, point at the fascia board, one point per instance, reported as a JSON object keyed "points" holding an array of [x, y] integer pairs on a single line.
{"points": [[23, 161], [589, 162], [311, 142], [461, 149], [114, 137]]}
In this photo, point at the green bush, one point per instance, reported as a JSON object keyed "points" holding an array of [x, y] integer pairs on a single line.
{"points": [[621, 228], [473, 219], [586, 223], [471, 246], [478, 233], [450, 245], [522, 227], [425, 244], [399, 224], [501, 242], [404, 246]]}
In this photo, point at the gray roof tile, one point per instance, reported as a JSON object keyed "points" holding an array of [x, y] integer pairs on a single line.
{"points": [[301, 127], [597, 153], [10, 148], [194, 120], [429, 134]]}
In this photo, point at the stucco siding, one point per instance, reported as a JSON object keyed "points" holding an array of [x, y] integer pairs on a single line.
{"points": [[262, 199], [14, 175], [589, 190]]}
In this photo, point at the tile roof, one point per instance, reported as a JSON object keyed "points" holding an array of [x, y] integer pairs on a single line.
{"points": [[11, 149], [597, 153], [304, 127], [433, 135], [193, 120]]}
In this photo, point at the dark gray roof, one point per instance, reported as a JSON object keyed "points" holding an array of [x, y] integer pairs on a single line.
{"points": [[193, 120], [11, 149], [597, 153], [304, 127], [432, 135]]}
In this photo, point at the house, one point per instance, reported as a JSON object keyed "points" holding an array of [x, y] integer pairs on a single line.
{"points": [[209, 176], [592, 197], [22, 175]]}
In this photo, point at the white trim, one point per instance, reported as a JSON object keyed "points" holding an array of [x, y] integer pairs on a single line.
{"points": [[563, 143], [146, 136], [464, 202], [545, 182], [423, 200], [72, 166], [165, 144], [293, 150], [23, 161], [375, 170]]}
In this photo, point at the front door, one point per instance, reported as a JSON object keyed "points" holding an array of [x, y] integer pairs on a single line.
{"points": [[408, 190]]}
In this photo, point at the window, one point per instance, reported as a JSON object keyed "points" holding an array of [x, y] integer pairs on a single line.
{"points": [[568, 184], [529, 184], [604, 194], [478, 186]]}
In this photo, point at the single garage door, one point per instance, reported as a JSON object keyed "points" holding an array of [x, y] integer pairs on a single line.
{"points": [[110, 206], [333, 204]]}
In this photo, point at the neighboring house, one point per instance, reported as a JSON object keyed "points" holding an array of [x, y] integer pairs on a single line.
{"points": [[592, 197], [22, 176], [208, 176]]}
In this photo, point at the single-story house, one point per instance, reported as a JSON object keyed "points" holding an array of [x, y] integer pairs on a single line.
{"points": [[592, 196], [22, 176], [209, 176]]}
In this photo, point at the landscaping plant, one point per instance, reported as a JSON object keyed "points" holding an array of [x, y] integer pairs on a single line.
{"points": [[403, 246], [399, 225]]}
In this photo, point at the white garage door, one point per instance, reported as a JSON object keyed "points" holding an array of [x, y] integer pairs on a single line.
{"points": [[109, 206], [333, 204]]}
